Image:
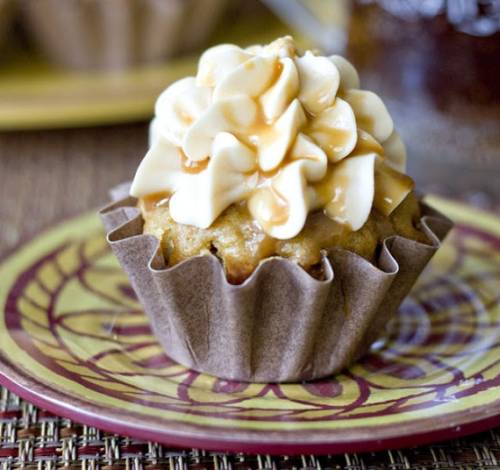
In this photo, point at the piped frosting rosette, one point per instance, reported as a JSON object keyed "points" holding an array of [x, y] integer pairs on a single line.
{"points": [[287, 133]]}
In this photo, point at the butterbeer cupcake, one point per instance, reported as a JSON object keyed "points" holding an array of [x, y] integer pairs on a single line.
{"points": [[275, 232]]}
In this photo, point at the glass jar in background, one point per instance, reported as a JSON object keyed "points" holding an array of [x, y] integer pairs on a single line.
{"points": [[442, 87], [476, 17]]}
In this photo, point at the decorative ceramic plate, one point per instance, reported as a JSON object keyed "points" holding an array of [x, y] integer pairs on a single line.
{"points": [[73, 340]]}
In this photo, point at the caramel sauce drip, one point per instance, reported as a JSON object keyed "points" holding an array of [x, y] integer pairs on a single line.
{"points": [[261, 125], [276, 210], [366, 143], [391, 187], [154, 200], [333, 139], [265, 175], [324, 189], [190, 166], [335, 206], [262, 130], [184, 116], [278, 68], [365, 122], [264, 133]]}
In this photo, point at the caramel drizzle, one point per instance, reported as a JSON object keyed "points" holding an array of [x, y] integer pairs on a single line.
{"points": [[155, 200], [390, 185], [271, 205], [190, 166]]}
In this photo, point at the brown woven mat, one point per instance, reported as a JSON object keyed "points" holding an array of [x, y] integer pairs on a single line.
{"points": [[32, 438]]}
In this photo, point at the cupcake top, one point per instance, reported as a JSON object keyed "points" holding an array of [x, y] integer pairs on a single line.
{"points": [[284, 132]]}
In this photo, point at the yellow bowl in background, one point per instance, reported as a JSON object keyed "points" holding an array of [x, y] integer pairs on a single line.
{"points": [[37, 95]]}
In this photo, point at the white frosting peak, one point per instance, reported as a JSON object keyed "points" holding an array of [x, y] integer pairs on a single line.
{"points": [[288, 133]]}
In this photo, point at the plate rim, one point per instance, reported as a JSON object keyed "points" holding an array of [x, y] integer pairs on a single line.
{"points": [[458, 424], [480, 419]]}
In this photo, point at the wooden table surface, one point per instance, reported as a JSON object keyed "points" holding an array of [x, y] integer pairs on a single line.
{"points": [[50, 175]]}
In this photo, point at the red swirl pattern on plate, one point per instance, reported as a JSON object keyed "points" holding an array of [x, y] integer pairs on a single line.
{"points": [[74, 312]]}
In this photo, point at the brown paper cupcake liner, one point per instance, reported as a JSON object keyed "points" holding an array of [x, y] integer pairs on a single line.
{"points": [[116, 34], [281, 324]]}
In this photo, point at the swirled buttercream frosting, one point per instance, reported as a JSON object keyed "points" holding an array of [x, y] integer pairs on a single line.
{"points": [[285, 132]]}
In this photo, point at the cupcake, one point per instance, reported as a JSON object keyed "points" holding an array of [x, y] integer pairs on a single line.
{"points": [[117, 34], [270, 231]]}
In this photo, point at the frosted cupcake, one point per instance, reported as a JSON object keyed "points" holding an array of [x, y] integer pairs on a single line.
{"points": [[274, 216], [116, 34]]}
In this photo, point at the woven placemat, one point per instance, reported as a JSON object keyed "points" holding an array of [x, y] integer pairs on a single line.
{"points": [[33, 438]]}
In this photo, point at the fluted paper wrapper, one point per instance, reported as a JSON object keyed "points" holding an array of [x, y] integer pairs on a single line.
{"points": [[281, 324], [115, 34]]}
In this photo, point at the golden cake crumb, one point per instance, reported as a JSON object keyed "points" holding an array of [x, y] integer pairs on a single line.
{"points": [[238, 241]]}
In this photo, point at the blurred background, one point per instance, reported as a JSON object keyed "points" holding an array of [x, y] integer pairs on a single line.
{"points": [[78, 80]]}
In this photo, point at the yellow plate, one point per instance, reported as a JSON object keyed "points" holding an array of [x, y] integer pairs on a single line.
{"points": [[74, 340]]}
